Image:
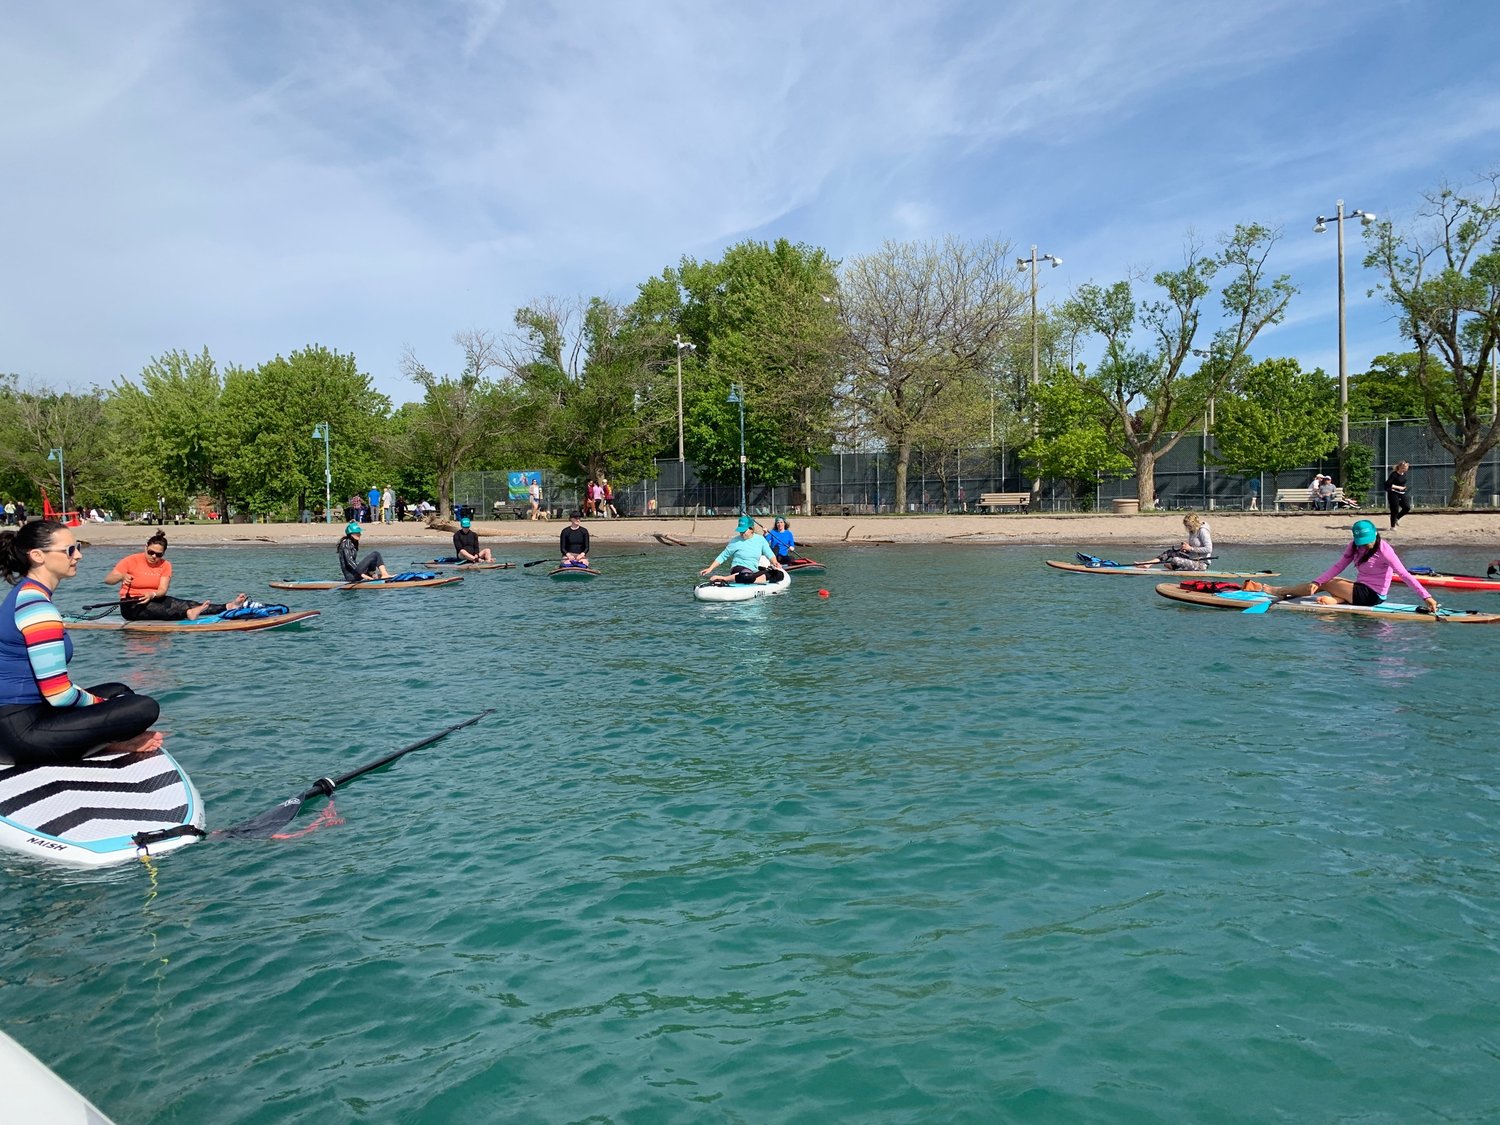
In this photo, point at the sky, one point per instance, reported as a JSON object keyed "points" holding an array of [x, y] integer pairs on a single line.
{"points": [[379, 175]]}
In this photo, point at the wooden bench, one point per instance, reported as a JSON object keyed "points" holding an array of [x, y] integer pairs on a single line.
{"points": [[999, 500], [1301, 497]]}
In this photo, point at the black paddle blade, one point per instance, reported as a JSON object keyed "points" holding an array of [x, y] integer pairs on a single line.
{"points": [[267, 823]]}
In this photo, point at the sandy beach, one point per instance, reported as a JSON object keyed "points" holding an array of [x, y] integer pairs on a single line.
{"points": [[1149, 530]]}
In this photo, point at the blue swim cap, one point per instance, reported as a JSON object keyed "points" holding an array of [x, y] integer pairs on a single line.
{"points": [[464, 522], [352, 528], [746, 523], [1364, 533]]}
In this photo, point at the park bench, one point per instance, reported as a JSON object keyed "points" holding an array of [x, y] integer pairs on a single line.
{"points": [[1301, 498], [1000, 500]]}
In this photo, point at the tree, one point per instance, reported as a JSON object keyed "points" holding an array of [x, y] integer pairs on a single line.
{"points": [[922, 319], [1390, 389], [164, 430], [459, 416], [1280, 418], [1151, 396], [1072, 443], [1444, 281], [36, 421]]}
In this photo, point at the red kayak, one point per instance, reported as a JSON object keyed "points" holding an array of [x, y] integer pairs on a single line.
{"points": [[1456, 581]]}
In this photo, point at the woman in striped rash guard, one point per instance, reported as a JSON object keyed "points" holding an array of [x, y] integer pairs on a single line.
{"points": [[44, 716]]}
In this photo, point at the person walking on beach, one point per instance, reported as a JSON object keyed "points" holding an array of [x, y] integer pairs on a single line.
{"points": [[1376, 566], [534, 489], [1397, 495]]}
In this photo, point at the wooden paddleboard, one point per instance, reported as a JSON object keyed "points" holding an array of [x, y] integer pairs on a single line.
{"points": [[574, 574], [213, 624], [806, 566], [1079, 568], [368, 584], [1242, 600], [441, 565]]}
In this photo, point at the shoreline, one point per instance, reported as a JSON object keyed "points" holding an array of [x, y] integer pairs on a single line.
{"points": [[1480, 528]]}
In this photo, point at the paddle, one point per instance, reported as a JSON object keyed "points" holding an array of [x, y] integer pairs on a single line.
{"points": [[273, 820], [538, 562]]}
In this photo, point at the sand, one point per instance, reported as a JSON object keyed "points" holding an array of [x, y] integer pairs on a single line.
{"points": [[1147, 530]]}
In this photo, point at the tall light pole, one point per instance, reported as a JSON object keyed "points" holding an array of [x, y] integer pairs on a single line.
{"points": [[62, 480], [1036, 347], [682, 346], [737, 394], [321, 430], [1365, 218]]}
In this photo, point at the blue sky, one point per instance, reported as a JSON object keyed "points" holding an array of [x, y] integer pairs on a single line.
{"points": [[373, 175]]}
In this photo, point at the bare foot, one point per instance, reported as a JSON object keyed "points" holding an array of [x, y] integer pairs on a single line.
{"points": [[1327, 599], [1255, 587], [141, 744], [197, 611], [237, 601]]}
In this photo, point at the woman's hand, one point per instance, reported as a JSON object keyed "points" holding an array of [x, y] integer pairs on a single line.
{"points": [[1431, 603]]}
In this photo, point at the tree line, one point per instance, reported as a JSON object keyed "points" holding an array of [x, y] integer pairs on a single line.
{"points": [[916, 346]]}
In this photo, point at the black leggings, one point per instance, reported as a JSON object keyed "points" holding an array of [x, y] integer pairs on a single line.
{"points": [[1400, 505], [367, 567], [38, 734], [165, 608]]}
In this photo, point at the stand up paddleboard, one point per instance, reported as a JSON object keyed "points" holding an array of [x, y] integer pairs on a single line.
{"points": [[367, 584], [101, 810], [740, 591], [457, 564], [35, 1093], [574, 574], [214, 624], [1253, 601], [1454, 581], [1081, 568], [806, 566]]}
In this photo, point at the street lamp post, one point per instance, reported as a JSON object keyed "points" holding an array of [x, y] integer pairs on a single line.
{"points": [[1036, 347], [321, 430], [62, 480], [737, 394], [682, 346], [1365, 218]]}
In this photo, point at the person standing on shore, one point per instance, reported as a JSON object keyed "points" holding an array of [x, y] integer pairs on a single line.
{"points": [[388, 505], [1397, 496]]}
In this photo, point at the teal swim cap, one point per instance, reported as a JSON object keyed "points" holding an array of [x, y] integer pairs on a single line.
{"points": [[1364, 533], [746, 523], [464, 522], [352, 528]]}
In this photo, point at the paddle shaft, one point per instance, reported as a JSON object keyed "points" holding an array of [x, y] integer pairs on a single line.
{"points": [[345, 778]]}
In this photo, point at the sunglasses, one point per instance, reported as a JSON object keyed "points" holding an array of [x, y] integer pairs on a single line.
{"points": [[73, 551], [156, 554]]}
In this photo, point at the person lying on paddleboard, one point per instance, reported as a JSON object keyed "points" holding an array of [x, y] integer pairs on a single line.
{"points": [[1375, 564], [356, 569], [44, 716], [573, 542], [143, 580], [466, 544], [1192, 553], [780, 538], [749, 556]]}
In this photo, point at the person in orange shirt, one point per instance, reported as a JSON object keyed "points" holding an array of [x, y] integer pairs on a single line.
{"points": [[143, 580]]}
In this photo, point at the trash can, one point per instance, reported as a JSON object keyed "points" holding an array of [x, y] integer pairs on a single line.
{"points": [[1125, 507], [460, 511]]}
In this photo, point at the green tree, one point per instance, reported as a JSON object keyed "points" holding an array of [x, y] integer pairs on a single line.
{"points": [[1444, 282], [1072, 443], [34, 421], [1280, 417], [1390, 389], [921, 321], [1150, 392]]}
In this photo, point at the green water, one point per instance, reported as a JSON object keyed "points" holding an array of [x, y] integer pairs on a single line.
{"points": [[969, 841]]}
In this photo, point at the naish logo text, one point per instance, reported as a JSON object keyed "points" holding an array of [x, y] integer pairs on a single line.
{"points": [[53, 844]]}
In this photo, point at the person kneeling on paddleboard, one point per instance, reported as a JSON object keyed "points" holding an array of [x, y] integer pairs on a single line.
{"points": [[780, 538], [143, 581], [44, 716], [749, 556], [573, 542], [466, 544], [354, 568], [1376, 565]]}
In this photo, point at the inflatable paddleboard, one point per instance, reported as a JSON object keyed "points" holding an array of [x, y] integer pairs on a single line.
{"points": [[575, 574], [1080, 568], [88, 813], [1455, 581], [740, 591], [367, 584], [35, 1093], [214, 624], [1243, 600]]}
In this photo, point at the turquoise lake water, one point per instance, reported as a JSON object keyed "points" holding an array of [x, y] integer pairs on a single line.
{"points": [[970, 840]]}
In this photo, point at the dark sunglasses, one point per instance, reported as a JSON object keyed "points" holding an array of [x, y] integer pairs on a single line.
{"points": [[73, 551], [156, 554]]}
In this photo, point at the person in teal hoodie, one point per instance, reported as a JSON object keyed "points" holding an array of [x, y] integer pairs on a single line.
{"points": [[749, 556]]}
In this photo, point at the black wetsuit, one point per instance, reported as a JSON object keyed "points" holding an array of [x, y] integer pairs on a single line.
{"points": [[574, 540], [164, 608], [465, 539], [354, 568]]}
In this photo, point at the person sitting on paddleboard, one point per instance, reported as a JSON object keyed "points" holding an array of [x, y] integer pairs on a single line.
{"points": [[1193, 552], [44, 716], [143, 581], [1376, 565], [466, 544], [780, 538], [371, 566], [573, 542], [744, 554]]}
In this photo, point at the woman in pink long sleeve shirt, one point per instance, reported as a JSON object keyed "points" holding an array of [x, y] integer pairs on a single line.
{"points": [[1376, 565]]}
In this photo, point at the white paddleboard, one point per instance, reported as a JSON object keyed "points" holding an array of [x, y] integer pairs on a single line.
{"points": [[34, 1093], [86, 813], [740, 591]]}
